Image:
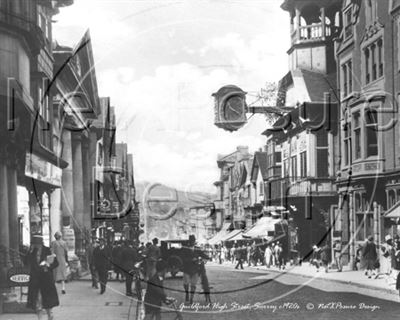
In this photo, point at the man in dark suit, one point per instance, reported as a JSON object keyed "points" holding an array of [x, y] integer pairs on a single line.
{"points": [[129, 256], [101, 260]]}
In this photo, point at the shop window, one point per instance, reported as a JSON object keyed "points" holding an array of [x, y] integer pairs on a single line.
{"points": [[371, 120], [364, 226]]}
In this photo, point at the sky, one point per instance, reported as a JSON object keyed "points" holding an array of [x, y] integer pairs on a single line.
{"points": [[160, 61]]}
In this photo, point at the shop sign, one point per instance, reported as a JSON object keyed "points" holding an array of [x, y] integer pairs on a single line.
{"points": [[39, 169], [18, 277]]}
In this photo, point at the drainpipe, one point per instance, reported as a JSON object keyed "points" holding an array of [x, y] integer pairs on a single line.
{"points": [[352, 235]]}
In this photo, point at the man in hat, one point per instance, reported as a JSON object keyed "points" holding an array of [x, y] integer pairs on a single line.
{"points": [[92, 246], [153, 254], [101, 260], [42, 292], [192, 263]]}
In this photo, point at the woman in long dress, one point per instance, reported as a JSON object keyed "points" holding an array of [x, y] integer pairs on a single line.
{"points": [[59, 248]]}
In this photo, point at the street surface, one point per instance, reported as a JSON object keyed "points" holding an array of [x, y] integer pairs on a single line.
{"points": [[236, 294]]}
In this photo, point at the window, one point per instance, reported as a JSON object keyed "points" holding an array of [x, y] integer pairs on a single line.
{"points": [[373, 59], [347, 144], [261, 188], [364, 225], [371, 11], [286, 167], [348, 24], [357, 135], [366, 59], [380, 58], [371, 124], [303, 164], [293, 168], [322, 154], [347, 78], [391, 198]]}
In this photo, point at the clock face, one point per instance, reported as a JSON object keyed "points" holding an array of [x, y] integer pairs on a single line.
{"points": [[234, 108]]}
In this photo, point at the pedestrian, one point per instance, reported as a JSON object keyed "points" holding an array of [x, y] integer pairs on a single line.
{"points": [[129, 257], [316, 257], [395, 260], [325, 257], [232, 254], [153, 254], [60, 249], [101, 259], [268, 256], [93, 272], [370, 256], [116, 260], [248, 254], [42, 292], [273, 254], [204, 282], [279, 255], [385, 257], [155, 294], [192, 257], [239, 257], [337, 253]]}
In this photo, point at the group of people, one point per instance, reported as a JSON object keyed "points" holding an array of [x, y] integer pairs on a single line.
{"points": [[121, 257], [381, 261], [378, 261], [252, 254]]}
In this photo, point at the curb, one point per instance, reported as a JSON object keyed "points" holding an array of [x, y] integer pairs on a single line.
{"points": [[356, 284], [348, 282]]}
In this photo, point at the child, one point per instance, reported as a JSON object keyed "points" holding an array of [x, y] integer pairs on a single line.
{"points": [[155, 294]]}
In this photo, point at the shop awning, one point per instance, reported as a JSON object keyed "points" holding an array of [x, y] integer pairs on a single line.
{"points": [[233, 235], [262, 228], [393, 212], [221, 234]]}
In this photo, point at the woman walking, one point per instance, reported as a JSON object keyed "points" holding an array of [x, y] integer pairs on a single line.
{"points": [[42, 292], [59, 248]]}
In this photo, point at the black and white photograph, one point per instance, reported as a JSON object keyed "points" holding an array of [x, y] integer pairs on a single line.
{"points": [[199, 159]]}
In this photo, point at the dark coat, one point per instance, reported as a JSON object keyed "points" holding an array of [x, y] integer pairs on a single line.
{"points": [[42, 280], [190, 257], [155, 294], [129, 256], [101, 258], [369, 251]]}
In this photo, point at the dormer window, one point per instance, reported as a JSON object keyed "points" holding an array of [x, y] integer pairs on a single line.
{"points": [[371, 9], [348, 23]]}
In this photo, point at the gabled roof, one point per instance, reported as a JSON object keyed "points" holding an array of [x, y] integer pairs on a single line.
{"points": [[259, 163]]}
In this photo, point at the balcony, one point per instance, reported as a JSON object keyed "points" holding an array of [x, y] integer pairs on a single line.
{"points": [[313, 33]]}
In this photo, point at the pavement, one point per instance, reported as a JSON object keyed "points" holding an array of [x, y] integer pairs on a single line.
{"points": [[347, 276], [83, 302]]}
